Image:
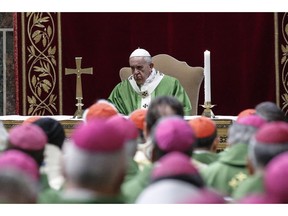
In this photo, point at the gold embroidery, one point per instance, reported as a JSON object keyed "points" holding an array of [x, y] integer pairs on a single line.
{"points": [[284, 60], [144, 94], [239, 177], [41, 64]]}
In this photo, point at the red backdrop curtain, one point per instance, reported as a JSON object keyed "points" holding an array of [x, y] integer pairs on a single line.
{"points": [[241, 45]]}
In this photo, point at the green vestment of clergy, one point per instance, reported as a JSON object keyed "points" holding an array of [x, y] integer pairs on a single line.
{"points": [[228, 171], [205, 157], [131, 189], [127, 99], [252, 185], [58, 197]]}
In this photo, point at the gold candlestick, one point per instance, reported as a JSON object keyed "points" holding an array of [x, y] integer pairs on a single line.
{"points": [[79, 112], [208, 110]]}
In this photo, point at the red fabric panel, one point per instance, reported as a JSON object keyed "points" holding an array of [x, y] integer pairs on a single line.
{"points": [[241, 46]]}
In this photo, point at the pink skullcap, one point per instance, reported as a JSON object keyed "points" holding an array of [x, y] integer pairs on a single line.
{"points": [[101, 109], [202, 126], [206, 196], [246, 112], [138, 117], [98, 136], [174, 134], [258, 199], [124, 125], [273, 132], [275, 177], [172, 164], [252, 120], [27, 137], [15, 159]]}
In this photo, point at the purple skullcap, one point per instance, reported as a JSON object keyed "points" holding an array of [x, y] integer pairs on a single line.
{"points": [[174, 134], [206, 196], [173, 164], [15, 159], [275, 177], [98, 136], [27, 137], [252, 120], [273, 132], [126, 126]]}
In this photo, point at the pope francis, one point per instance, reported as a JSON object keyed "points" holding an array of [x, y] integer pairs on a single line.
{"points": [[144, 84]]}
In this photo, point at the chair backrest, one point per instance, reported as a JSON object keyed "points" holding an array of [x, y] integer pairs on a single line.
{"points": [[189, 77]]}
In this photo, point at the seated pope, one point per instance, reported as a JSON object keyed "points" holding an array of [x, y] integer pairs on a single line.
{"points": [[144, 84]]}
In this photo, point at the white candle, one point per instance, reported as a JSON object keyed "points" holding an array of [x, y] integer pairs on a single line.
{"points": [[207, 87]]}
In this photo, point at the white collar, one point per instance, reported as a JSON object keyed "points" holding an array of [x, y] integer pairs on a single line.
{"points": [[147, 88]]}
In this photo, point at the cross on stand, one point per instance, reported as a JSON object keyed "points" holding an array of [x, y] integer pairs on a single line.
{"points": [[78, 71]]}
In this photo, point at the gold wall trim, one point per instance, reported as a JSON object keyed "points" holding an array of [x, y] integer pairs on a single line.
{"points": [[60, 64], [283, 69], [276, 36], [41, 67], [23, 63]]}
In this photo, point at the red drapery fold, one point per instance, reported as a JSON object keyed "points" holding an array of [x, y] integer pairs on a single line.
{"points": [[241, 45]]}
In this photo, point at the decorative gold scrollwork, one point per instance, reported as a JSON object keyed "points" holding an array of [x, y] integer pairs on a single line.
{"points": [[41, 63], [284, 60]]}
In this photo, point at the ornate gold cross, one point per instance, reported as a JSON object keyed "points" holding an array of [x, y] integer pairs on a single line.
{"points": [[78, 71]]}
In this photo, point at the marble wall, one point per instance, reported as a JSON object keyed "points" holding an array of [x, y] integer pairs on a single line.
{"points": [[7, 76]]}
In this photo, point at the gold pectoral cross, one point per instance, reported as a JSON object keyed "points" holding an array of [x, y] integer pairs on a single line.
{"points": [[78, 71]]}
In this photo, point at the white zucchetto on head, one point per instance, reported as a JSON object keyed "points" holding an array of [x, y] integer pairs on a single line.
{"points": [[140, 52]]}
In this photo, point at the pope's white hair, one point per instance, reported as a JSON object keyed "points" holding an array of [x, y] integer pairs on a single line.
{"points": [[148, 59], [93, 169]]}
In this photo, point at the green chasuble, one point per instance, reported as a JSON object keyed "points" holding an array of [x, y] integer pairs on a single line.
{"points": [[132, 170], [49, 196], [252, 185], [126, 99], [132, 189], [228, 171], [58, 197], [205, 157]]}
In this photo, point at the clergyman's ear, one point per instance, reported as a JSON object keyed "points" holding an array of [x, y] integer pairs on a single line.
{"points": [[250, 167], [215, 144]]}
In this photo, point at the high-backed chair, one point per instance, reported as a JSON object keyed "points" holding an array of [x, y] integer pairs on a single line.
{"points": [[189, 77]]}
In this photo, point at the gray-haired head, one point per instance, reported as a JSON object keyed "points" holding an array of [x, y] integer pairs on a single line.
{"points": [[270, 111], [17, 187], [94, 170], [243, 129], [269, 141]]}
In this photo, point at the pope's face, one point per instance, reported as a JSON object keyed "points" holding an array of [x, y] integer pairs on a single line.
{"points": [[141, 70]]}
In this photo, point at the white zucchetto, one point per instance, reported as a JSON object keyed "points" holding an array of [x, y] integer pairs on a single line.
{"points": [[140, 52]]}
